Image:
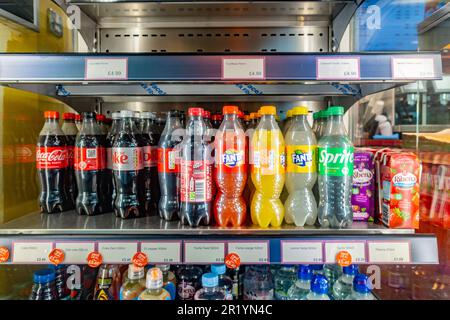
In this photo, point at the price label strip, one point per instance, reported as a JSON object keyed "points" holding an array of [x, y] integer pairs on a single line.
{"points": [[204, 252], [357, 250], [251, 252], [167, 252], [389, 252], [117, 252], [412, 68], [301, 252], [75, 252], [106, 69], [342, 68], [31, 252], [243, 69]]}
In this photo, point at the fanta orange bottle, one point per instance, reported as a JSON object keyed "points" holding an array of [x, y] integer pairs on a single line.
{"points": [[230, 170]]}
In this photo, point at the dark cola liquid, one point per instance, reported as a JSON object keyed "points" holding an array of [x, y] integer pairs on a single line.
{"points": [[188, 282], [53, 196], [106, 183], [72, 189], [145, 179]]}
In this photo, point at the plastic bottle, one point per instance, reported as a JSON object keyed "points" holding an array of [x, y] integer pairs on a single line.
{"points": [[216, 120], [335, 173], [343, 286], [109, 143], [250, 188], [267, 170], [44, 287], [108, 283], [169, 280], [168, 168], [209, 135], [319, 288], [258, 283], [332, 272], [134, 284], [78, 121], [225, 282], [70, 130], [361, 289], [319, 124], [230, 170], [247, 121], [146, 142], [301, 172], [195, 172], [154, 286], [287, 122], [61, 282], [300, 289], [90, 164], [315, 125], [188, 281], [317, 269], [52, 165], [284, 278], [210, 290]]}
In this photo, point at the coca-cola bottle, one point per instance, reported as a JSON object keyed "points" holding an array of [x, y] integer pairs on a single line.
{"points": [[70, 130], [128, 163], [78, 121], [101, 120], [195, 172], [168, 168], [148, 131], [52, 162], [112, 134], [106, 184], [90, 164]]}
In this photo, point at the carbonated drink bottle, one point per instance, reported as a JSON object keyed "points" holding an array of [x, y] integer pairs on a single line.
{"points": [[52, 163], [210, 290], [188, 281], [249, 188], [134, 285], [70, 130], [44, 287], [195, 172], [154, 285], [300, 289], [128, 162], [301, 148], [225, 282], [216, 120], [268, 172], [168, 168], [90, 163], [247, 121], [258, 283], [335, 173], [145, 189], [61, 282], [209, 136], [78, 121], [284, 278], [183, 118], [320, 122], [361, 289], [101, 120], [108, 283], [343, 286], [106, 177], [287, 122], [149, 133], [137, 121], [230, 170], [169, 280], [109, 143], [319, 288]]}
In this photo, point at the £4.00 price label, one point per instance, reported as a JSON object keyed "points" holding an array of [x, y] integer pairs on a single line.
{"points": [[356, 249], [343, 68], [31, 252], [243, 69], [389, 251], [301, 252], [250, 252], [412, 68], [204, 252], [117, 252], [162, 251], [106, 69]]}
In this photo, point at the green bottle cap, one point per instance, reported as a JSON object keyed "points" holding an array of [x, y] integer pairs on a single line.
{"points": [[324, 114], [316, 115], [335, 111]]}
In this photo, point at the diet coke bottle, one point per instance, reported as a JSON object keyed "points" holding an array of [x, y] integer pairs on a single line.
{"points": [[151, 158], [128, 164], [52, 163]]}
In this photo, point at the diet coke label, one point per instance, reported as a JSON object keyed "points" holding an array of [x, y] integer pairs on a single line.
{"points": [[147, 156], [51, 158], [127, 159]]}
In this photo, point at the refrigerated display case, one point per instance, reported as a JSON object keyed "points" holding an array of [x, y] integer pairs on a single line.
{"points": [[162, 55]]}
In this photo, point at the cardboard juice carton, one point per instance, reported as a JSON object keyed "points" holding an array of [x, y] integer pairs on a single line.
{"points": [[363, 185]]}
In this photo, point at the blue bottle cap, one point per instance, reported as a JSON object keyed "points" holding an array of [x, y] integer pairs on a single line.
{"points": [[304, 272], [360, 283], [218, 268], [319, 284], [210, 280], [44, 276], [351, 269], [316, 267]]}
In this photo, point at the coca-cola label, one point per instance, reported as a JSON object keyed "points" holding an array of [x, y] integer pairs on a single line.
{"points": [[167, 160], [127, 159], [71, 155], [196, 181], [24, 153], [404, 180], [51, 158], [150, 156], [88, 159]]}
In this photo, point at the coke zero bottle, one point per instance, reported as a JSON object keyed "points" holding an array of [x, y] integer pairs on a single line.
{"points": [[152, 158], [109, 143], [90, 164], [128, 163], [70, 130], [106, 185], [168, 168]]}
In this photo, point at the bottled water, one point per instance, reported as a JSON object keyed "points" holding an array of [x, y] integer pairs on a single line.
{"points": [[332, 272], [335, 173], [343, 286], [283, 280], [225, 281], [210, 290], [317, 269], [319, 288], [361, 288], [302, 286], [258, 283]]}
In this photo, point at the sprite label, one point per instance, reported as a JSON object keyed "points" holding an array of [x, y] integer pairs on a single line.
{"points": [[337, 162]]}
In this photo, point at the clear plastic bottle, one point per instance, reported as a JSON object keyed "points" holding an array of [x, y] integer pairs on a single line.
{"points": [[154, 286], [361, 289], [210, 290], [317, 269], [188, 283], [320, 121], [169, 280], [301, 172], [44, 287], [70, 130], [258, 283], [134, 284], [225, 281], [343, 286], [319, 288], [335, 173], [332, 272], [284, 278], [300, 289]]}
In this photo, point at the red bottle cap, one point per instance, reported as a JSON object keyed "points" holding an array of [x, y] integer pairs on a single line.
{"points": [[216, 117], [240, 114], [100, 117], [51, 114], [78, 117], [68, 116], [195, 111], [230, 110], [206, 114]]}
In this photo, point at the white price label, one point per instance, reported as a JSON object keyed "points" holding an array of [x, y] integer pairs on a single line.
{"points": [[162, 252], [31, 252], [338, 68], [250, 252], [356, 249], [76, 252], [301, 252], [204, 252], [117, 252], [106, 69], [389, 252], [412, 68], [243, 69]]}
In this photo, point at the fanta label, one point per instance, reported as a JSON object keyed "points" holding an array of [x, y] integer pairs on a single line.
{"points": [[269, 162], [88, 159], [336, 162], [301, 159], [233, 158], [52, 158], [127, 159]]}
